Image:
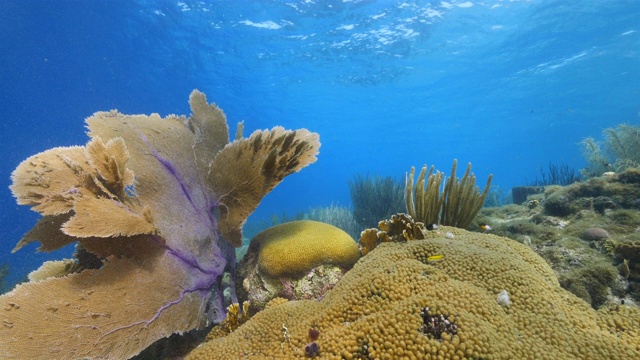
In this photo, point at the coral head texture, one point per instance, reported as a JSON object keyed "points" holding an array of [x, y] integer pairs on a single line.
{"points": [[395, 304]]}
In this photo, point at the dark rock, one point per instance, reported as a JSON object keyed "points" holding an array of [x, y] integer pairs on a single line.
{"points": [[558, 205], [630, 176], [601, 203], [520, 193]]}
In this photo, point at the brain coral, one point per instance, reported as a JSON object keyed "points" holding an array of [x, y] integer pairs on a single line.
{"points": [[299, 246], [377, 310]]}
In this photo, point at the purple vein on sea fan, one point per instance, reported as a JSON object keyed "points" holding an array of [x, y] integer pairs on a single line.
{"points": [[219, 261], [169, 167], [165, 259]]}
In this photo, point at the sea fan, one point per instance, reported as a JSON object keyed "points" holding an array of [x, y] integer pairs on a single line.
{"points": [[156, 206]]}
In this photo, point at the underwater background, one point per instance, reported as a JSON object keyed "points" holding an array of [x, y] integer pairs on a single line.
{"points": [[510, 86]]}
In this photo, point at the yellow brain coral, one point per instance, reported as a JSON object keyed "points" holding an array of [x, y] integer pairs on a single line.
{"points": [[298, 246], [396, 304]]}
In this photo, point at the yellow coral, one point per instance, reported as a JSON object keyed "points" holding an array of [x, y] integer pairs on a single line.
{"points": [[275, 302], [377, 310], [231, 322], [399, 228], [299, 246], [368, 240]]}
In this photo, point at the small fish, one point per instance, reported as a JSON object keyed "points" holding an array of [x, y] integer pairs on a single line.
{"points": [[486, 227], [432, 227], [435, 257]]}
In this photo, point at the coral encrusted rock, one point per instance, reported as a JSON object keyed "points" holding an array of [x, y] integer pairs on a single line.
{"points": [[295, 260], [396, 303]]}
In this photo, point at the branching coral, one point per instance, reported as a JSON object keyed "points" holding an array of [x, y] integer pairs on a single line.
{"points": [[234, 318], [457, 204], [399, 228], [159, 203]]}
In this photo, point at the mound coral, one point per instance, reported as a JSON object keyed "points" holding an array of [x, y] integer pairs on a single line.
{"points": [[298, 246], [295, 260], [395, 304], [156, 206], [594, 234]]}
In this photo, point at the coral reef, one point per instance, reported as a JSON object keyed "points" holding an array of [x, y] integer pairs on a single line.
{"points": [[592, 283], [584, 231], [260, 289], [519, 193], [275, 302], [627, 256], [616, 191], [437, 325], [396, 304], [295, 260], [458, 203], [159, 204], [375, 198], [312, 349]]}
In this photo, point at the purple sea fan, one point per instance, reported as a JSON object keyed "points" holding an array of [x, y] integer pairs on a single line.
{"points": [[159, 203]]}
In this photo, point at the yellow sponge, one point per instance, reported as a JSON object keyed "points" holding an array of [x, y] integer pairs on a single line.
{"points": [[295, 247]]}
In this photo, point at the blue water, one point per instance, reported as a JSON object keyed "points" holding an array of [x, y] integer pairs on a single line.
{"points": [[507, 85]]}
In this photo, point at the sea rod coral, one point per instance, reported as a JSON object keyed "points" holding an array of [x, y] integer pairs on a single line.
{"points": [[156, 206]]}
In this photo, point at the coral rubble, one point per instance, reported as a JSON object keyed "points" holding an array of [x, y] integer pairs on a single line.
{"points": [[295, 260]]}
